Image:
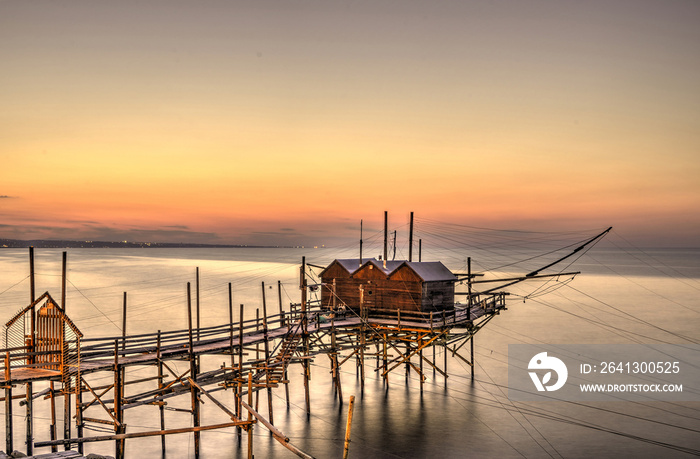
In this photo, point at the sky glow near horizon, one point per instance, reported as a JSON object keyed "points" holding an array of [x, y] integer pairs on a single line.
{"points": [[286, 122]]}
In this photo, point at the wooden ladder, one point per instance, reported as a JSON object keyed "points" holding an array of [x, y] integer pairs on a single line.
{"points": [[278, 364]]}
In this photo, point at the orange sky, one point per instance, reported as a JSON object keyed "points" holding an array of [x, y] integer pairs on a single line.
{"points": [[219, 121]]}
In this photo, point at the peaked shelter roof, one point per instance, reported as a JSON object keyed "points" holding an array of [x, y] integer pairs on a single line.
{"points": [[429, 271]]}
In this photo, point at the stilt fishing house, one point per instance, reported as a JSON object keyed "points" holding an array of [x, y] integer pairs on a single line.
{"points": [[388, 286]]}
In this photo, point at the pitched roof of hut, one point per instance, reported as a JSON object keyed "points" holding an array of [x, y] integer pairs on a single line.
{"points": [[429, 271], [390, 265], [351, 265], [348, 264]]}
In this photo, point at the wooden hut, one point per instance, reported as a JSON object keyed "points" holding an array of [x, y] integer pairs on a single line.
{"points": [[422, 286], [371, 283], [337, 285], [387, 286]]}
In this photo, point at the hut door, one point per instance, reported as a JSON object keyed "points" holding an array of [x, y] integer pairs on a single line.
{"points": [[49, 336], [369, 295]]}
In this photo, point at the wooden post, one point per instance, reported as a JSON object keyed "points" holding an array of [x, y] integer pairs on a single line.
{"points": [[445, 364], [384, 361], [410, 240], [362, 357], [282, 321], [257, 355], [240, 364], [360, 242], [469, 311], [420, 358], [79, 409], [198, 316], [249, 428], [386, 236], [335, 370], [279, 297], [66, 406], [124, 323], [8, 406], [305, 336], [65, 388], [348, 427], [231, 348], [31, 348], [118, 413], [267, 356], [32, 296], [197, 298], [63, 282], [52, 428], [193, 375], [161, 408], [408, 360], [334, 295], [433, 345]]}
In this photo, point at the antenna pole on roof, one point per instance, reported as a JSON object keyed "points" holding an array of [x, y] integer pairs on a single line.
{"points": [[393, 255], [386, 236], [420, 250], [410, 240], [360, 242]]}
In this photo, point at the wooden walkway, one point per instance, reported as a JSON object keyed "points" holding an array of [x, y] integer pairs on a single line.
{"points": [[102, 354], [268, 351]]}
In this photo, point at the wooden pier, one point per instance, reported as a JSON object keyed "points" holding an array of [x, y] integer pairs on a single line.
{"points": [[43, 346], [369, 309]]}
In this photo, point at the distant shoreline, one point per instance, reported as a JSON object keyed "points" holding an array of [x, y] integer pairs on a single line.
{"points": [[66, 244]]}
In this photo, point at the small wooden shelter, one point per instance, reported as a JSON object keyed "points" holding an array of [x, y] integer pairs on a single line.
{"points": [[376, 285], [48, 334]]}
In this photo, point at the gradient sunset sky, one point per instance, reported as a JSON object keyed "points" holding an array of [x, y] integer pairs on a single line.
{"points": [[286, 122]]}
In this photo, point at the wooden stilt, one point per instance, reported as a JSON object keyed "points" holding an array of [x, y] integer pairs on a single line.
{"points": [[410, 240], [9, 434], [376, 347], [469, 312], [249, 428], [31, 348], [29, 419], [79, 411], [286, 387], [384, 361], [257, 355], [408, 361], [305, 336], [232, 350], [198, 359], [193, 375], [279, 297], [445, 364], [267, 356], [362, 358], [420, 354], [118, 426], [240, 365], [161, 408], [67, 414], [52, 427], [335, 370], [471, 345], [348, 426]]}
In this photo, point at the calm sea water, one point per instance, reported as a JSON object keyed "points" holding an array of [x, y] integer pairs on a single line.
{"points": [[622, 296]]}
